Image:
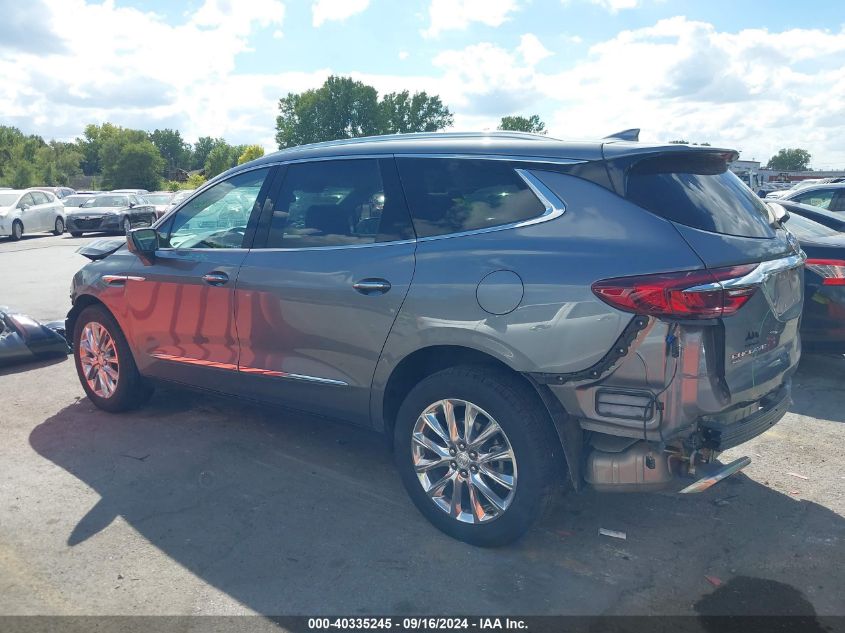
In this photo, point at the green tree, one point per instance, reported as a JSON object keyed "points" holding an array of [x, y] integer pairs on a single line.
{"points": [[531, 124], [340, 108], [402, 113], [91, 145], [18, 153], [219, 160], [250, 153], [194, 181], [57, 162], [130, 160], [790, 159], [202, 148], [175, 151]]}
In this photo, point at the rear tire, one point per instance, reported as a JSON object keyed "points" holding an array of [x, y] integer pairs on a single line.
{"points": [[462, 508], [75, 234], [104, 363], [17, 230], [59, 227]]}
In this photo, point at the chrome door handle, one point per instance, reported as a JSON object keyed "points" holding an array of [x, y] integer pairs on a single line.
{"points": [[215, 278], [372, 286]]}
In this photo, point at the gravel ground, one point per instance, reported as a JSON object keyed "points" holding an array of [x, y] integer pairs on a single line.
{"points": [[202, 505]]}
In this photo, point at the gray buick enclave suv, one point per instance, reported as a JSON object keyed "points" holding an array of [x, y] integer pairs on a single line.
{"points": [[513, 311]]}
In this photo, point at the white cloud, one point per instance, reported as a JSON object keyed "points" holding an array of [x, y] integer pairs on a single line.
{"points": [[326, 10], [403, 55], [446, 15], [532, 50], [754, 90], [615, 6]]}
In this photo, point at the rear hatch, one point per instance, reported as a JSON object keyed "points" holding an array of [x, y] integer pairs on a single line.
{"points": [[754, 259]]}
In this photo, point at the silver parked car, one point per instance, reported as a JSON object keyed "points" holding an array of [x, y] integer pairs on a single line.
{"points": [[30, 211], [511, 310], [830, 196]]}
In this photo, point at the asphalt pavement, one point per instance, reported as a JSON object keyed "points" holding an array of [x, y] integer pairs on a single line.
{"points": [[203, 505]]}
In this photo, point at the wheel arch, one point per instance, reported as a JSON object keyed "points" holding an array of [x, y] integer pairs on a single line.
{"points": [[82, 302], [426, 361]]}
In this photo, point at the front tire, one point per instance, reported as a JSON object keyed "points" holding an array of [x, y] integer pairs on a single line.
{"points": [[104, 363], [17, 230], [58, 227], [76, 234], [477, 454]]}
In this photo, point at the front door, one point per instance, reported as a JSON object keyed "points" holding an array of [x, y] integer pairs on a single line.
{"points": [[317, 297], [181, 309]]}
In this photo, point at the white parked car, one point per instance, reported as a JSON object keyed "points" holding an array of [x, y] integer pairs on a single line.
{"points": [[30, 212]]}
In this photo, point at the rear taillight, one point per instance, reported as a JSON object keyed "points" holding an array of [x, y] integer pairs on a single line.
{"points": [[832, 271], [694, 294]]}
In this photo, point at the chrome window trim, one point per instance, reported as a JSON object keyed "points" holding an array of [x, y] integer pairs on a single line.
{"points": [[554, 206]]}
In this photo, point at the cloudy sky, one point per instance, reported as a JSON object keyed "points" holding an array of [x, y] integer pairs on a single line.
{"points": [[756, 76]]}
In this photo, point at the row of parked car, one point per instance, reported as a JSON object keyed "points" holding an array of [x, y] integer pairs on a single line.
{"points": [[60, 209], [513, 312]]}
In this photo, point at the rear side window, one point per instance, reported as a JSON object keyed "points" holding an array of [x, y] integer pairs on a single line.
{"points": [[821, 198], [698, 191], [451, 195]]}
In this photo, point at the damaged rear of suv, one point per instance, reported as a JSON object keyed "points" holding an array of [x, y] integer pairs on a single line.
{"points": [[511, 310]]}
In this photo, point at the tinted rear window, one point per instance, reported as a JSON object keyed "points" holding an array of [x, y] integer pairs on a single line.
{"points": [[450, 195], [698, 191]]}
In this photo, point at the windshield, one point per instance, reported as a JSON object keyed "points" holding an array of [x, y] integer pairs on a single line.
{"points": [[181, 195], [805, 229], [161, 198], [108, 201], [8, 199], [73, 201]]}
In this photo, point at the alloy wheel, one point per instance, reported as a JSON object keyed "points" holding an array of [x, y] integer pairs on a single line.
{"points": [[59, 226], [99, 360], [464, 461]]}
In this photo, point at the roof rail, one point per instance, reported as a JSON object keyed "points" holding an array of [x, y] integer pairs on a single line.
{"points": [[524, 136]]}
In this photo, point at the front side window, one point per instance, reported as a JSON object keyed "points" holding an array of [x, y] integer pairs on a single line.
{"points": [[451, 195], [218, 217], [338, 203], [819, 198], [39, 197], [26, 201]]}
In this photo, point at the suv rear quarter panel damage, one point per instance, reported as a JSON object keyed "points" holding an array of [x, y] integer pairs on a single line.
{"points": [[560, 326]]}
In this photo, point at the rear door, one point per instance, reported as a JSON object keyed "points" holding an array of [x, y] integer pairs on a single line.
{"points": [[180, 309], [727, 225], [317, 297], [40, 213]]}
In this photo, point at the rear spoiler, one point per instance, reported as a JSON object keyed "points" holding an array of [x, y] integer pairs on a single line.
{"points": [[632, 134]]}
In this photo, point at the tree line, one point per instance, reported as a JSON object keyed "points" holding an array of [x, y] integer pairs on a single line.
{"points": [[116, 157]]}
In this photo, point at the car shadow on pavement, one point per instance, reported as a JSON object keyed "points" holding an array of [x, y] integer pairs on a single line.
{"points": [[18, 367], [289, 514], [819, 374]]}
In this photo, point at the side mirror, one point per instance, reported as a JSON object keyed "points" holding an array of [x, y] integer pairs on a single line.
{"points": [[131, 204], [144, 243], [24, 207]]}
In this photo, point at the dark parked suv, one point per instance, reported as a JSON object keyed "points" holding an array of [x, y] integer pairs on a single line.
{"points": [[513, 311]]}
